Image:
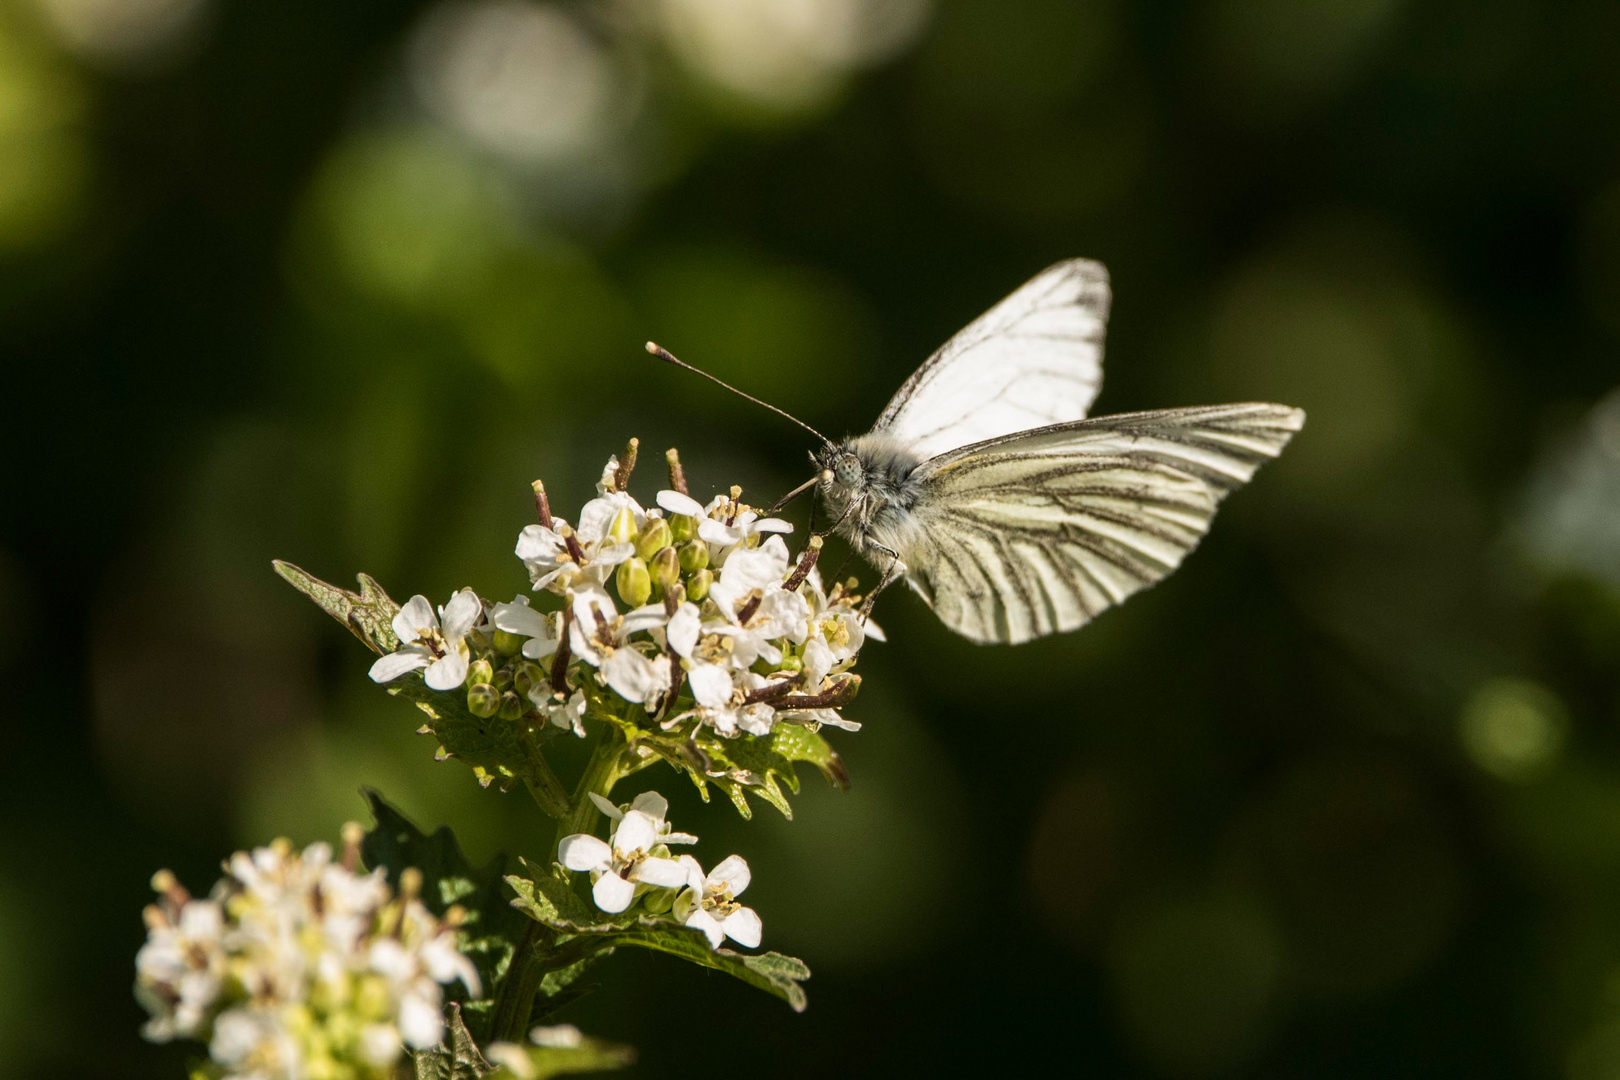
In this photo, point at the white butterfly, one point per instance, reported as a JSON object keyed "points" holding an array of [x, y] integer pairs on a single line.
{"points": [[1001, 505]]}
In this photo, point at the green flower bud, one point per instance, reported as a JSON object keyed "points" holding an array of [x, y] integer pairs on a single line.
{"points": [[526, 676], [483, 699], [790, 663], [665, 569], [634, 582], [508, 643], [480, 671], [694, 556], [478, 641], [654, 536], [658, 901], [503, 678], [682, 528], [511, 706], [623, 529], [697, 586]]}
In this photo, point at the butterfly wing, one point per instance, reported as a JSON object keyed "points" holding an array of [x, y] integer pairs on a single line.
{"points": [[1034, 534], [1032, 360]]}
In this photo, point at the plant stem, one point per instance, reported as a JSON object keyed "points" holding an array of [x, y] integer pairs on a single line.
{"points": [[510, 1016], [515, 1000], [602, 771], [543, 783]]}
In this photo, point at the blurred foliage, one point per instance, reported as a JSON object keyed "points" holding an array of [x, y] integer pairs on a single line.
{"points": [[336, 281]]}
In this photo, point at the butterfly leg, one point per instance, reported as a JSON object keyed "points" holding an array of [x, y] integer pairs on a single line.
{"points": [[889, 576]]}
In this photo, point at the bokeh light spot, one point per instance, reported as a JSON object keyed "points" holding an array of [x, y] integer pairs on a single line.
{"points": [[786, 56], [1513, 728], [125, 34], [523, 79]]}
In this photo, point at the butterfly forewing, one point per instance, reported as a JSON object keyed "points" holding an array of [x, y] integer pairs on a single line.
{"points": [[1033, 534], [1032, 360]]}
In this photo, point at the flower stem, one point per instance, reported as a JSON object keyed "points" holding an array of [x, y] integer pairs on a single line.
{"points": [[603, 770]]}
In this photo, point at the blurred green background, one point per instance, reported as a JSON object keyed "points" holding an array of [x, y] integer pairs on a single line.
{"points": [[334, 281]]}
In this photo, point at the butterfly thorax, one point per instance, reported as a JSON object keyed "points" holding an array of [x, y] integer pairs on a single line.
{"points": [[872, 494]]}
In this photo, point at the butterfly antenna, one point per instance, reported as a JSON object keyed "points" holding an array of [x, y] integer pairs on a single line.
{"points": [[820, 477], [664, 354]]}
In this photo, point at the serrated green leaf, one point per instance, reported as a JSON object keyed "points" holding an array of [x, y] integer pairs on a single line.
{"points": [[456, 1058], [491, 744], [541, 899], [491, 928], [369, 613], [795, 742], [591, 1055], [772, 972]]}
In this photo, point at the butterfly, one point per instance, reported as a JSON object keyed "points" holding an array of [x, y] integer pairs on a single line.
{"points": [[984, 486]]}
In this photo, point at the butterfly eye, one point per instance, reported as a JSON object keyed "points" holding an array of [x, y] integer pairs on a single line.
{"points": [[847, 469]]}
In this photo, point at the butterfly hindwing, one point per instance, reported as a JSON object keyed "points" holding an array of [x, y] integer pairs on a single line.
{"points": [[1036, 533]]}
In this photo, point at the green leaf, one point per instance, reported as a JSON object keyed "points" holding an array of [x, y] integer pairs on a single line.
{"points": [[545, 895], [492, 746], [369, 613], [542, 898], [771, 972], [795, 742], [591, 1055], [492, 927], [456, 1058]]}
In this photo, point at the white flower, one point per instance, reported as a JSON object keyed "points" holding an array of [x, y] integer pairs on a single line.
{"points": [[539, 628], [568, 715], [709, 902], [623, 862], [551, 560], [635, 678], [597, 629], [180, 970], [654, 806], [424, 643], [293, 929], [724, 523]]}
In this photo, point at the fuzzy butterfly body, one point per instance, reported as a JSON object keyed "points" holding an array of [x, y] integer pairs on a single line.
{"points": [[1014, 516]]}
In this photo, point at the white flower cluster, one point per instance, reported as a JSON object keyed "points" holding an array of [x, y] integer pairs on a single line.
{"points": [[298, 966], [634, 862], [708, 601]]}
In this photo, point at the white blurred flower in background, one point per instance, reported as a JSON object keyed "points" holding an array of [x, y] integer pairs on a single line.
{"points": [[523, 80], [785, 55], [1569, 522], [125, 34]]}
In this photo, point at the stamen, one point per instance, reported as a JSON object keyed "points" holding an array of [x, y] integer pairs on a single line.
{"points": [[627, 465], [677, 475], [542, 505], [559, 662], [812, 552]]}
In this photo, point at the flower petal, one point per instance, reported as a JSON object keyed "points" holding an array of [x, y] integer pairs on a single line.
{"points": [[392, 666], [634, 677], [461, 614], [415, 616], [702, 920], [676, 503], [449, 671], [685, 627], [612, 893], [732, 873], [582, 851], [606, 805], [743, 927], [711, 685], [772, 525], [636, 832], [652, 804], [665, 873]]}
